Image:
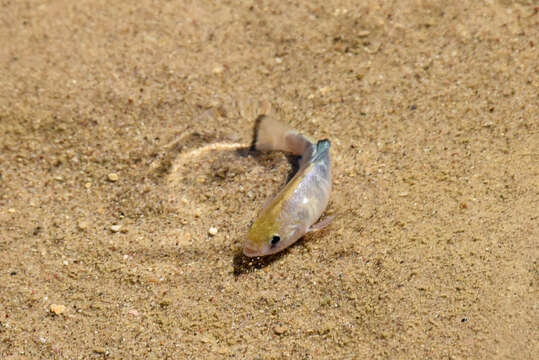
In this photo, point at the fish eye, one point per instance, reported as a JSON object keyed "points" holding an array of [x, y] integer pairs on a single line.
{"points": [[275, 239]]}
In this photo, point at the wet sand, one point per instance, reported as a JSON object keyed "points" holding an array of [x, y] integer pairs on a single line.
{"points": [[108, 188]]}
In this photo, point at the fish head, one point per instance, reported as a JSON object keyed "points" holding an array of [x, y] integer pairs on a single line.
{"points": [[264, 237]]}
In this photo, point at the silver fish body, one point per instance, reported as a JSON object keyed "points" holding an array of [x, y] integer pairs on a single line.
{"points": [[308, 200]]}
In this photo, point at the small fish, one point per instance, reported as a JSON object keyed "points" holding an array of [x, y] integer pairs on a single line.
{"points": [[295, 209]]}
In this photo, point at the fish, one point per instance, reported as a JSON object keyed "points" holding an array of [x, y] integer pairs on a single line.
{"points": [[294, 211]]}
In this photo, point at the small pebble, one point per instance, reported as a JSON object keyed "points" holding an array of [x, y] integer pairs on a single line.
{"points": [[82, 225], [222, 351], [100, 350], [115, 228], [218, 69], [204, 339], [324, 90], [363, 33], [113, 177], [279, 330], [212, 231], [58, 309]]}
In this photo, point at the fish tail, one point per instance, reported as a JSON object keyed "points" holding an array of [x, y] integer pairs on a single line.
{"points": [[272, 135]]}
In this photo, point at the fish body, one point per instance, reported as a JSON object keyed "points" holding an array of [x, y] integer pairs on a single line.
{"points": [[294, 210]]}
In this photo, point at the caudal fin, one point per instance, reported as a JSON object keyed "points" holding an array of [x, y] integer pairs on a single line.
{"points": [[272, 135]]}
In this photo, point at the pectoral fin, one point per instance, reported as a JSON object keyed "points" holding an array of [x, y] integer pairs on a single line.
{"points": [[321, 224]]}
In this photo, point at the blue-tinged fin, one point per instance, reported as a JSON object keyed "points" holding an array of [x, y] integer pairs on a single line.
{"points": [[322, 147]]}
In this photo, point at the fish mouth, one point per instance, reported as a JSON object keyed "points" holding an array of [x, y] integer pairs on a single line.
{"points": [[250, 252]]}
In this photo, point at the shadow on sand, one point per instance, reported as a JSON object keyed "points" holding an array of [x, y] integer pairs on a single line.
{"points": [[244, 265]]}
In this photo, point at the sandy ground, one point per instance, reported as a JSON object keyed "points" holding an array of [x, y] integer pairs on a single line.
{"points": [[107, 189]]}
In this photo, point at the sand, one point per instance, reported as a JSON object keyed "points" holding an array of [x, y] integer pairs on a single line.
{"points": [[110, 184]]}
